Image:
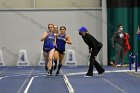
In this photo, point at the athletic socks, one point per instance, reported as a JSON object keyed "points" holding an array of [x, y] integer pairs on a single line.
{"points": [[49, 72], [46, 68], [59, 67], [57, 73]]}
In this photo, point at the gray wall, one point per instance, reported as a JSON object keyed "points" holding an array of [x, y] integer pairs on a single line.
{"points": [[22, 29], [50, 3]]}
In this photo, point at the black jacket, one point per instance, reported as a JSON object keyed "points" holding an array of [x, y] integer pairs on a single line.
{"points": [[92, 43]]}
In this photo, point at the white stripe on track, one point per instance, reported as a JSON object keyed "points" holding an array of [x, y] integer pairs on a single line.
{"points": [[69, 86], [21, 87], [3, 70], [4, 77], [10, 76], [95, 72], [118, 88], [29, 84]]}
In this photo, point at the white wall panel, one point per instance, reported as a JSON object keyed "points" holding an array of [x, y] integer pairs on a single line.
{"points": [[49, 3], [23, 29]]}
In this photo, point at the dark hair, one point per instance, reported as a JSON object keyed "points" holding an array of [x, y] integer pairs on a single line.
{"points": [[63, 27], [50, 24], [80, 33], [139, 26], [120, 25]]}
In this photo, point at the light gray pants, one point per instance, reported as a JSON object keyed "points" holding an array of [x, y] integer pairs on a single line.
{"points": [[119, 54]]}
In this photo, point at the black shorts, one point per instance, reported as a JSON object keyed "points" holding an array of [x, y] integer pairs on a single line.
{"points": [[60, 51]]}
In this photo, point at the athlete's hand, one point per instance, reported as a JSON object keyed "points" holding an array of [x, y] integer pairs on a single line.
{"points": [[65, 40]]}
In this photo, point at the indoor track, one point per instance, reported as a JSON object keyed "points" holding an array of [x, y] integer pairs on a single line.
{"points": [[72, 80]]}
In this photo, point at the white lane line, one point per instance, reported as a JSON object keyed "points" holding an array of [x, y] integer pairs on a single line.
{"points": [[95, 72], [29, 84], [69, 86], [3, 70], [118, 88], [4, 77], [76, 73], [21, 87], [9, 76]]}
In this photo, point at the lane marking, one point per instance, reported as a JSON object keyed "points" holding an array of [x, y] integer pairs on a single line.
{"points": [[24, 73], [112, 84], [69, 86], [4, 77], [1, 72], [95, 72], [66, 80], [10, 76], [21, 87], [118, 88], [29, 84]]}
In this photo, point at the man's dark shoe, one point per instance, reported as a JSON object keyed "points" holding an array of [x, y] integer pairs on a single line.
{"points": [[101, 73], [89, 75]]}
